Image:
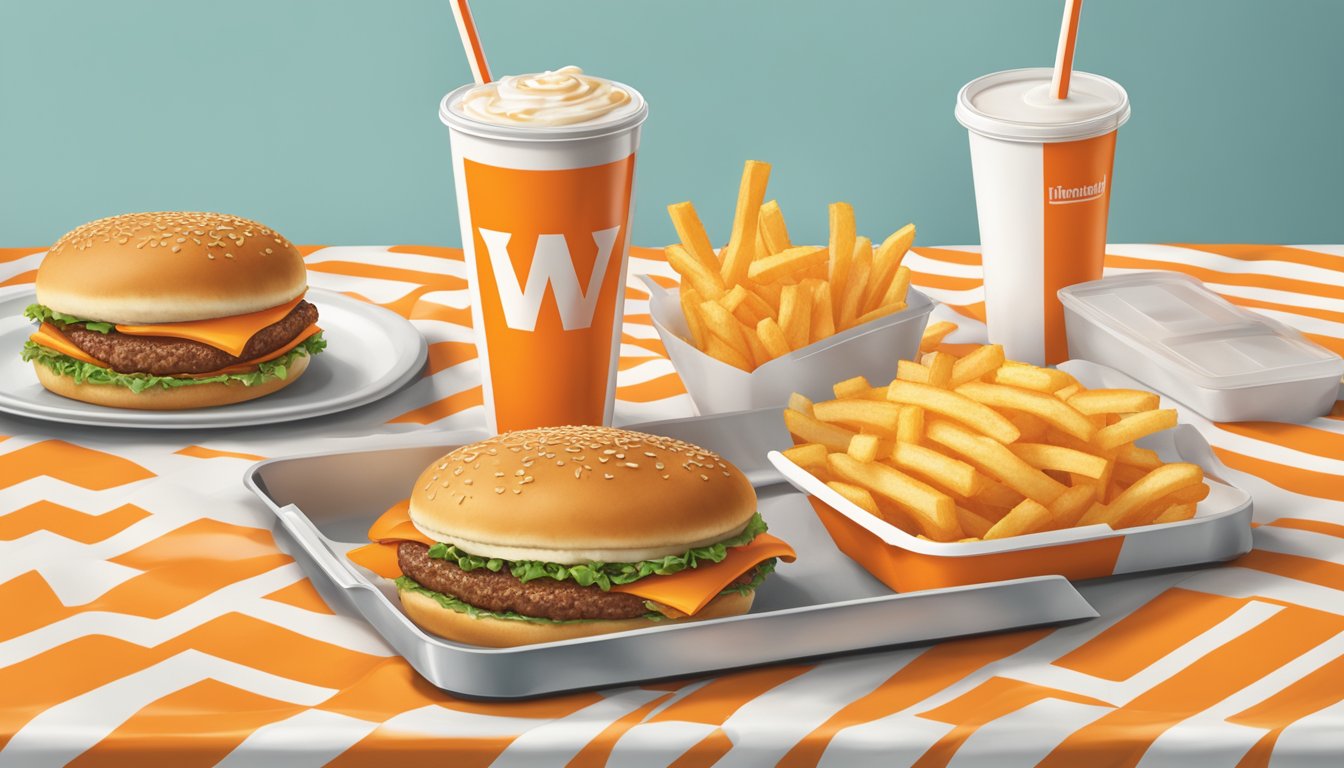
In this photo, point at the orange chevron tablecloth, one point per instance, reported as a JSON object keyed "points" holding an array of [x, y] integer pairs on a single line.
{"points": [[148, 618]]}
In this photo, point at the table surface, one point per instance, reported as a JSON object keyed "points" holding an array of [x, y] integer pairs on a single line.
{"points": [[146, 615]]}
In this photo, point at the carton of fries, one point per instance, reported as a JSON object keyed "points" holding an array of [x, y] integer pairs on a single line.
{"points": [[871, 350], [765, 317], [964, 498]]}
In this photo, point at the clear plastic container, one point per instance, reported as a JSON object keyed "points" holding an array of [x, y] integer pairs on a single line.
{"points": [[1176, 336]]}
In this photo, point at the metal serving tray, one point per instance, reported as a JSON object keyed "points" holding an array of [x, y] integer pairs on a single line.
{"points": [[823, 604]]}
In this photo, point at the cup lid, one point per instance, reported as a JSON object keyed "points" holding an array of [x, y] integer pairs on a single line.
{"points": [[1016, 105], [456, 120]]}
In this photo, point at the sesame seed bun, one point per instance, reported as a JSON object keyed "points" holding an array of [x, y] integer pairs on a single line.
{"points": [[506, 633], [168, 267], [580, 494], [160, 399]]}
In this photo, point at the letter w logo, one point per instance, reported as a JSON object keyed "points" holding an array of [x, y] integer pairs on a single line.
{"points": [[551, 263]]}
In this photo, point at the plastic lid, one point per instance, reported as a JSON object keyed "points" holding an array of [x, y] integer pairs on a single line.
{"points": [[454, 118], [1214, 343], [1016, 105]]}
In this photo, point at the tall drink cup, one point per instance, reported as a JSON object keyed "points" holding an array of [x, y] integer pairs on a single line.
{"points": [[544, 167], [1042, 169]]}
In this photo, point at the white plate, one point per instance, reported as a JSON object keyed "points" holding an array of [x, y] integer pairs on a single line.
{"points": [[370, 354]]}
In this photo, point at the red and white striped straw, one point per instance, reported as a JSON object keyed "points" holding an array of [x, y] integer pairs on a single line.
{"points": [[1068, 38], [471, 42]]}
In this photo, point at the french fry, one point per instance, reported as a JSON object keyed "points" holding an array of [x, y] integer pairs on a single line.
{"points": [[1070, 506], [721, 323], [1157, 484], [995, 460], [899, 286], [703, 279], [878, 417], [1033, 428], [972, 523], [741, 250], [996, 494], [955, 406], [719, 349], [933, 510], [792, 261], [1133, 427], [1057, 457], [810, 430], [762, 250], [769, 293], [855, 387], [1096, 401], [1176, 513], [1030, 377], [690, 309], [746, 306], [882, 311], [759, 354], [795, 314], [863, 447], [823, 312], [940, 365], [806, 455], [909, 370], [1064, 393], [1027, 517], [772, 337], [773, 229], [692, 234], [861, 267], [934, 335], [1135, 456], [976, 364], [1056, 412], [856, 495], [885, 263], [800, 403], [956, 476], [841, 252], [910, 425]]}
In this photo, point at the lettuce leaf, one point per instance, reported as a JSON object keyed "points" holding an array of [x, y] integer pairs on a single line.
{"points": [[83, 372], [406, 583], [41, 314], [604, 575]]}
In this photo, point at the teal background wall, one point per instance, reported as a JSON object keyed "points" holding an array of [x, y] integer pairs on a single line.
{"points": [[318, 116]]}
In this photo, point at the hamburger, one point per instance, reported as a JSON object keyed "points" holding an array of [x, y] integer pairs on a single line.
{"points": [[556, 533], [171, 310]]}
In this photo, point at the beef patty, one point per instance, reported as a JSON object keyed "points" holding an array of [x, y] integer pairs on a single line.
{"points": [[168, 356], [543, 598]]}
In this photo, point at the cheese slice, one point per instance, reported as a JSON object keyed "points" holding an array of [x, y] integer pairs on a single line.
{"points": [[230, 334], [692, 589], [248, 365], [686, 592], [49, 336]]}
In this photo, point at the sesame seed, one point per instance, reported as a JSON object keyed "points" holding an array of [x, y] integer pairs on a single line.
{"points": [[499, 474], [517, 490], [519, 473], [651, 454], [620, 455], [456, 471], [177, 249], [666, 476], [468, 481], [499, 489], [607, 476], [658, 465], [559, 463], [704, 477], [632, 465], [604, 459], [578, 473]]}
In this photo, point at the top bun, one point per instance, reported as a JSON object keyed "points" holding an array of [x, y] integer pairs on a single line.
{"points": [[579, 494], [168, 267]]}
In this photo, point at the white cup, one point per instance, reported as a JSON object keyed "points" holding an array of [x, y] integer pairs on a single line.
{"points": [[1042, 169]]}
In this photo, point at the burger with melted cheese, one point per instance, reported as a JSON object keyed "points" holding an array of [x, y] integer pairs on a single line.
{"points": [[171, 310], [556, 533]]}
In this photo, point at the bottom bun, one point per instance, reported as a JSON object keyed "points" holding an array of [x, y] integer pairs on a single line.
{"points": [[505, 633], [160, 399]]}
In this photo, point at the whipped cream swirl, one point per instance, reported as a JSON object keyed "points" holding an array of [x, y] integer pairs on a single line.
{"points": [[565, 96]]}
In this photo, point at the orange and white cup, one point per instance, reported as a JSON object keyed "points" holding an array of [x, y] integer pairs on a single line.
{"points": [[545, 212], [1043, 169]]}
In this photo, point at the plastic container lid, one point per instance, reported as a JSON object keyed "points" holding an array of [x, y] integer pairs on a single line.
{"points": [[1216, 344], [1016, 105]]}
